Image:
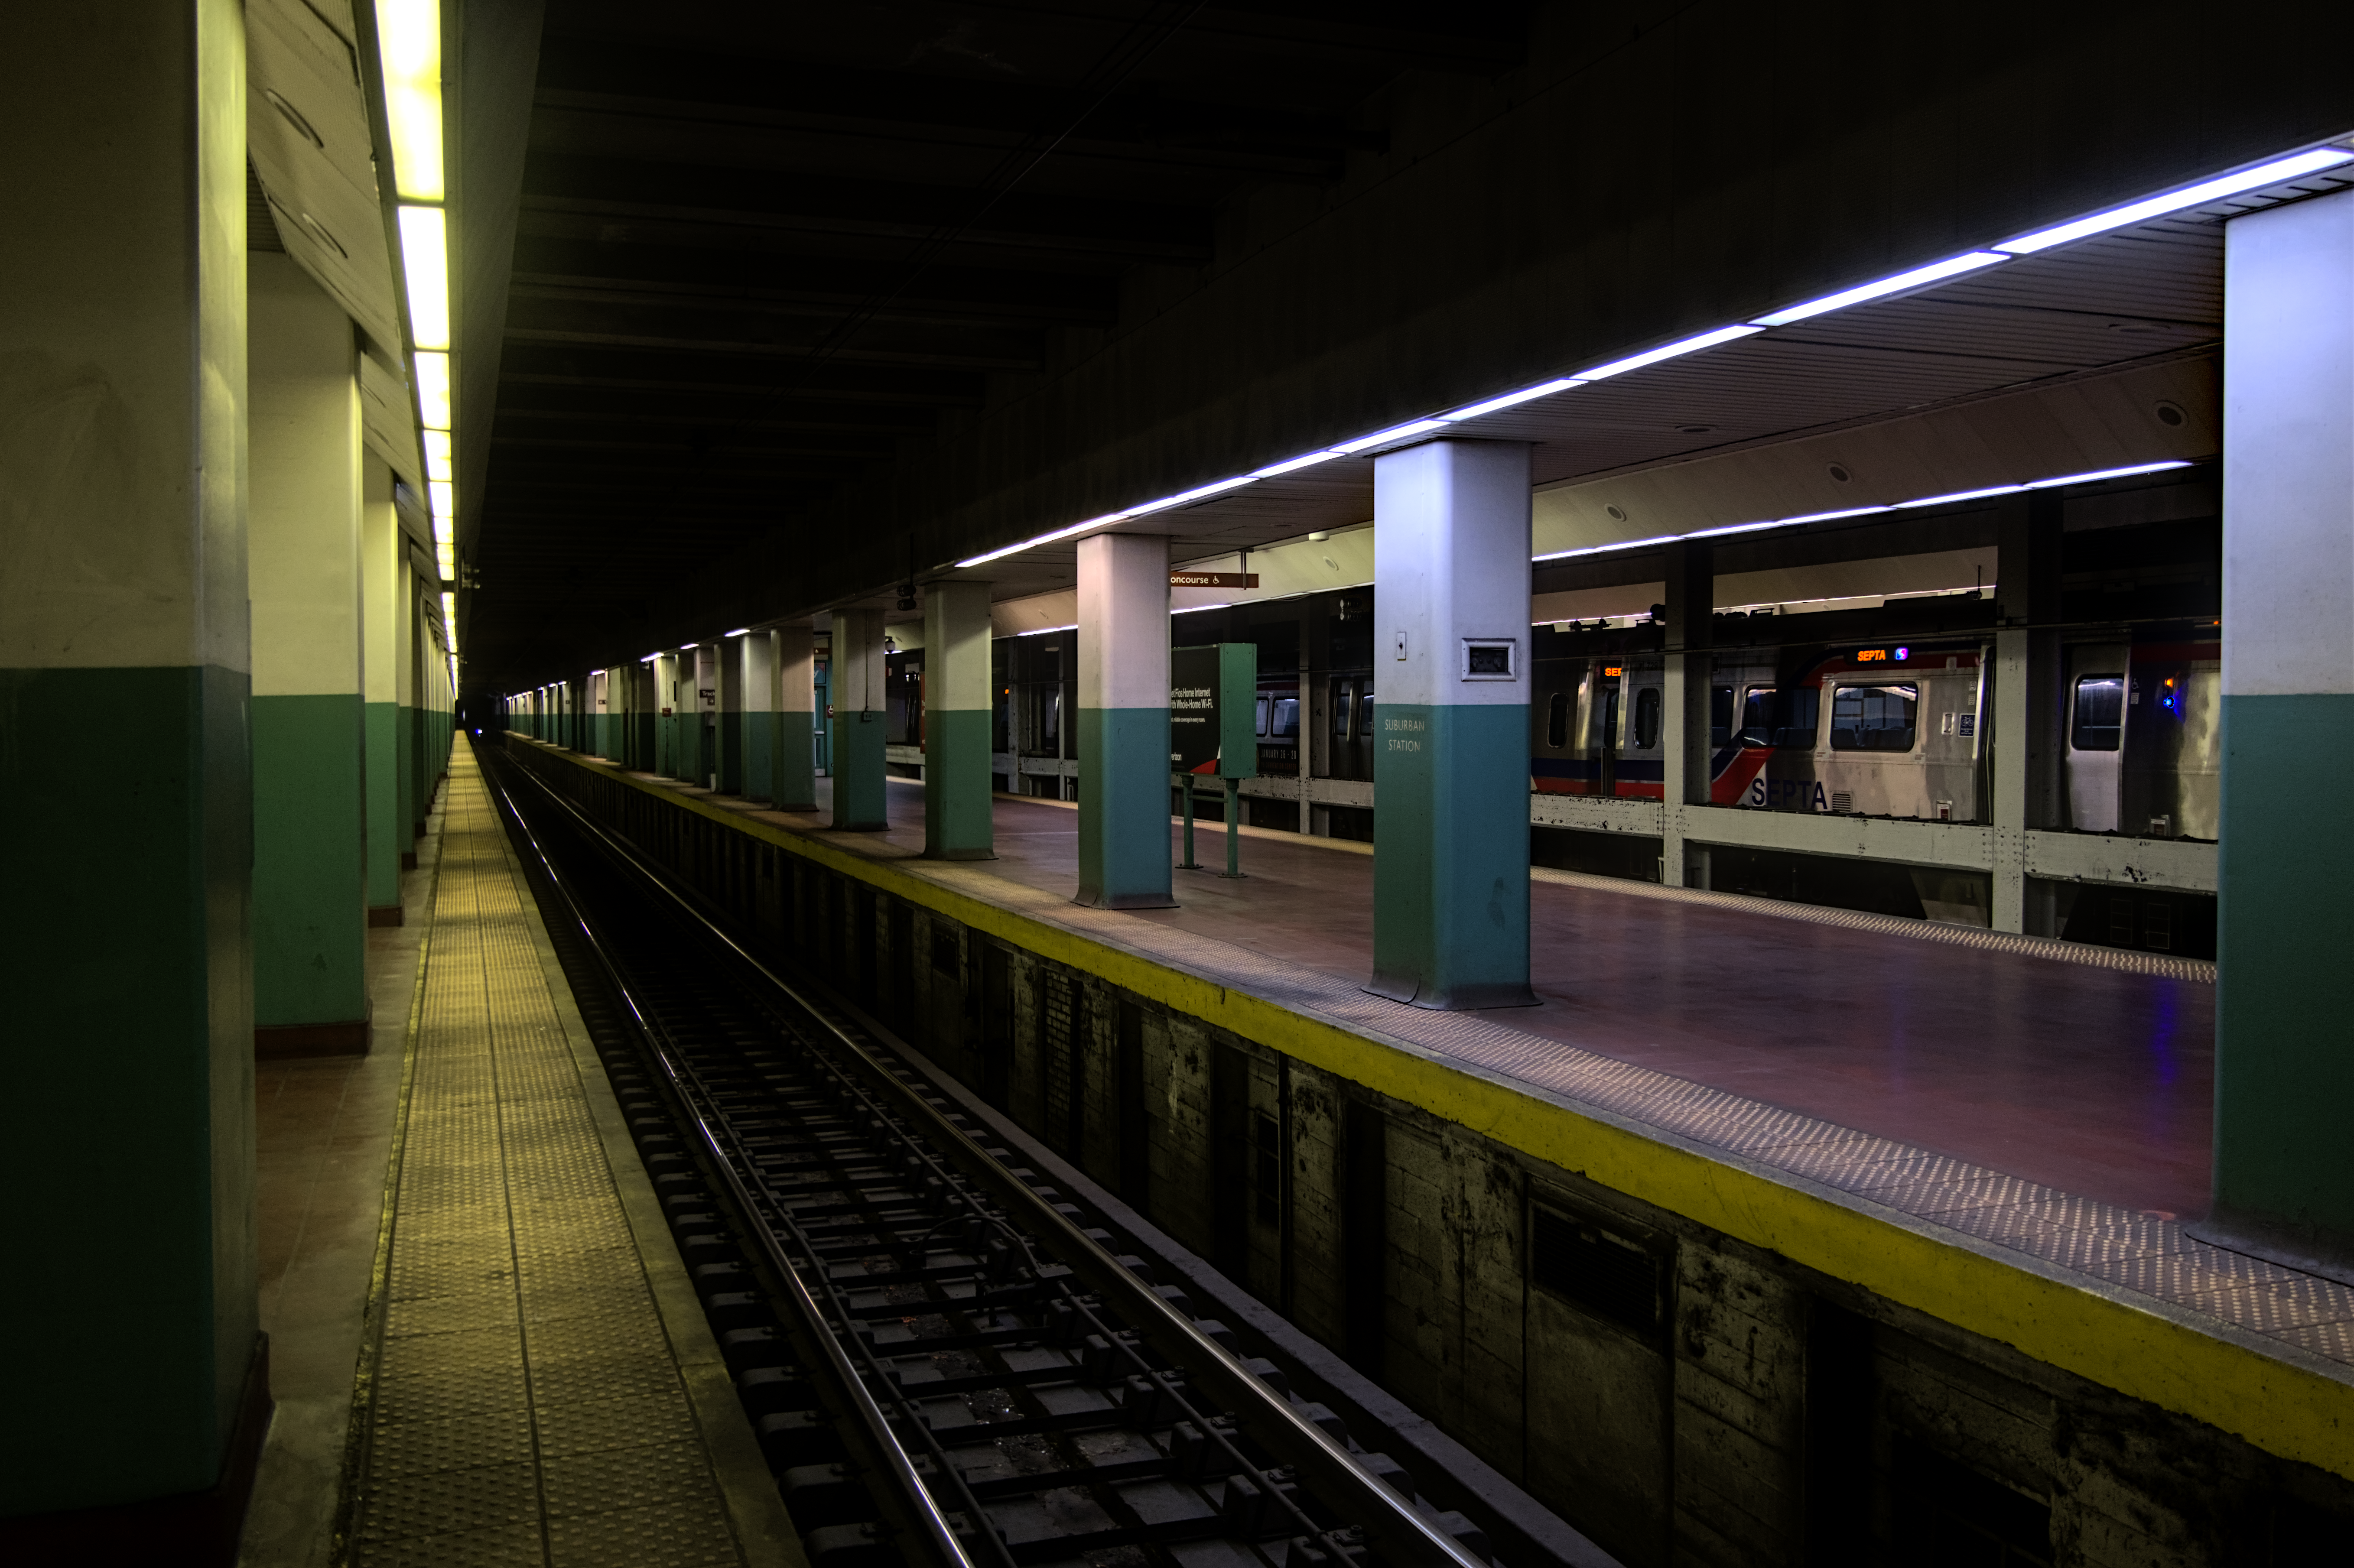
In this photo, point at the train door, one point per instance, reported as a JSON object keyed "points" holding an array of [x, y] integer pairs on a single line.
{"points": [[1350, 752], [1642, 754], [2173, 745], [1874, 745], [2095, 723], [1601, 739], [1555, 765]]}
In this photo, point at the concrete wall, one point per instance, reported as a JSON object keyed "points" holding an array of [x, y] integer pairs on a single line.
{"points": [[1677, 1394]]}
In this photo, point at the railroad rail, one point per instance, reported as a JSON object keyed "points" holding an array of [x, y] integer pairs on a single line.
{"points": [[964, 1373]]}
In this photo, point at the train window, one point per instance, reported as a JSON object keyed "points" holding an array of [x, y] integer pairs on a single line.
{"points": [[1874, 719], [1286, 726], [1780, 717], [1720, 715], [1557, 721], [1344, 708], [2100, 724], [1365, 712], [1261, 721], [1647, 718], [1610, 721]]}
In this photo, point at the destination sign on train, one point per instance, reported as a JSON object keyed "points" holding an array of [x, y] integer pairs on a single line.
{"points": [[1214, 579]]}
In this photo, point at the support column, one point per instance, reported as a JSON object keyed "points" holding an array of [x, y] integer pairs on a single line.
{"points": [[1123, 730], [666, 764], [645, 716], [859, 725], [2283, 1075], [793, 766], [759, 703], [2024, 764], [124, 668], [727, 714], [694, 680], [309, 822], [1685, 769], [381, 547], [406, 635], [957, 688], [1450, 758]]}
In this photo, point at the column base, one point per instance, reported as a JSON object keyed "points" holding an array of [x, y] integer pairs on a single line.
{"points": [[961, 854], [1414, 991], [294, 1041], [2292, 1246], [1124, 900], [197, 1529], [802, 806], [408, 859], [383, 914]]}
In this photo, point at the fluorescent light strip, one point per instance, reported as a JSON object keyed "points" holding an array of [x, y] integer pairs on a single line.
{"points": [[2298, 164], [432, 389], [1293, 465], [1043, 631], [438, 465], [1193, 609], [1105, 520], [444, 498], [425, 264], [409, 42], [1668, 351], [739, 631], [1187, 497], [2097, 475], [1394, 433], [1935, 271], [1544, 389]]}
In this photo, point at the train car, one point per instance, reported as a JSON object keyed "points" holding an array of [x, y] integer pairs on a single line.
{"points": [[1894, 729]]}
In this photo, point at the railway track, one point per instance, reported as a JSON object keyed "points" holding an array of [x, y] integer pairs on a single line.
{"points": [[948, 1363]]}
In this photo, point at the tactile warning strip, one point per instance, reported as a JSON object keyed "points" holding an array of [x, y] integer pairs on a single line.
{"points": [[527, 1408]]}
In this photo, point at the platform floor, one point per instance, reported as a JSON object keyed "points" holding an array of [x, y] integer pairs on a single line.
{"points": [[2095, 1081], [540, 1387], [2045, 1106]]}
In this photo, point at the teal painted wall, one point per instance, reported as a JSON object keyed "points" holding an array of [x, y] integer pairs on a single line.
{"points": [[125, 957], [411, 813], [792, 767], [957, 806], [1124, 855], [382, 790], [690, 747], [759, 755], [860, 795], [2283, 1047], [310, 859], [728, 729], [1451, 855]]}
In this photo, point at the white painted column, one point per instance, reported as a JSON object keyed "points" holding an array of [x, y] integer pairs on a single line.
{"points": [[793, 769]]}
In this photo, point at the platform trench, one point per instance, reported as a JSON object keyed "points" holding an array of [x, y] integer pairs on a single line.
{"points": [[1814, 1343], [527, 1404]]}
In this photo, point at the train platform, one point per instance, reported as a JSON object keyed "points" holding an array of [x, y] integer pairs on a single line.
{"points": [[526, 1376], [2008, 1134]]}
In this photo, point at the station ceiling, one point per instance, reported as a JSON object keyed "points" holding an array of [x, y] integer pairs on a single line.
{"points": [[766, 254]]}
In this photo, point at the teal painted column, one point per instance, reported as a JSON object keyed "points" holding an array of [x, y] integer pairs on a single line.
{"points": [[1123, 734], [406, 634], [859, 802], [2284, 1065], [381, 549], [727, 715], [310, 853], [957, 806], [759, 714], [1451, 730], [124, 766], [792, 767]]}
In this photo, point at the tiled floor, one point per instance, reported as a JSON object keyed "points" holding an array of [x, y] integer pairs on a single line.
{"points": [[529, 1405]]}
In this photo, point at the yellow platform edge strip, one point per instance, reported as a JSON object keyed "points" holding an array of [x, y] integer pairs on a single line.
{"points": [[2283, 1408]]}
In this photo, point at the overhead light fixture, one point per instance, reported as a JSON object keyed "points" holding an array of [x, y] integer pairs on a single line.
{"points": [[1191, 608], [1394, 433], [1935, 271], [444, 497], [437, 456], [1965, 496], [2311, 161], [649, 658], [1043, 631], [1542, 390], [1187, 497], [2111, 474], [1832, 516], [739, 631], [433, 389], [1731, 528], [1105, 520], [425, 263], [1668, 351], [409, 43], [1293, 465]]}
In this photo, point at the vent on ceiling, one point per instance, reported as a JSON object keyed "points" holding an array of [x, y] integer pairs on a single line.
{"points": [[261, 227]]}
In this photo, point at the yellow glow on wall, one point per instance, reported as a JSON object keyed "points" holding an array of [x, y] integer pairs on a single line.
{"points": [[425, 262], [409, 40], [433, 389], [438, 463]]}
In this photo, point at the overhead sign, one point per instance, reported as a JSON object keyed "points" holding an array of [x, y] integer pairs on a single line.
{"points": [[1214, 579], [1212, 708]]}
